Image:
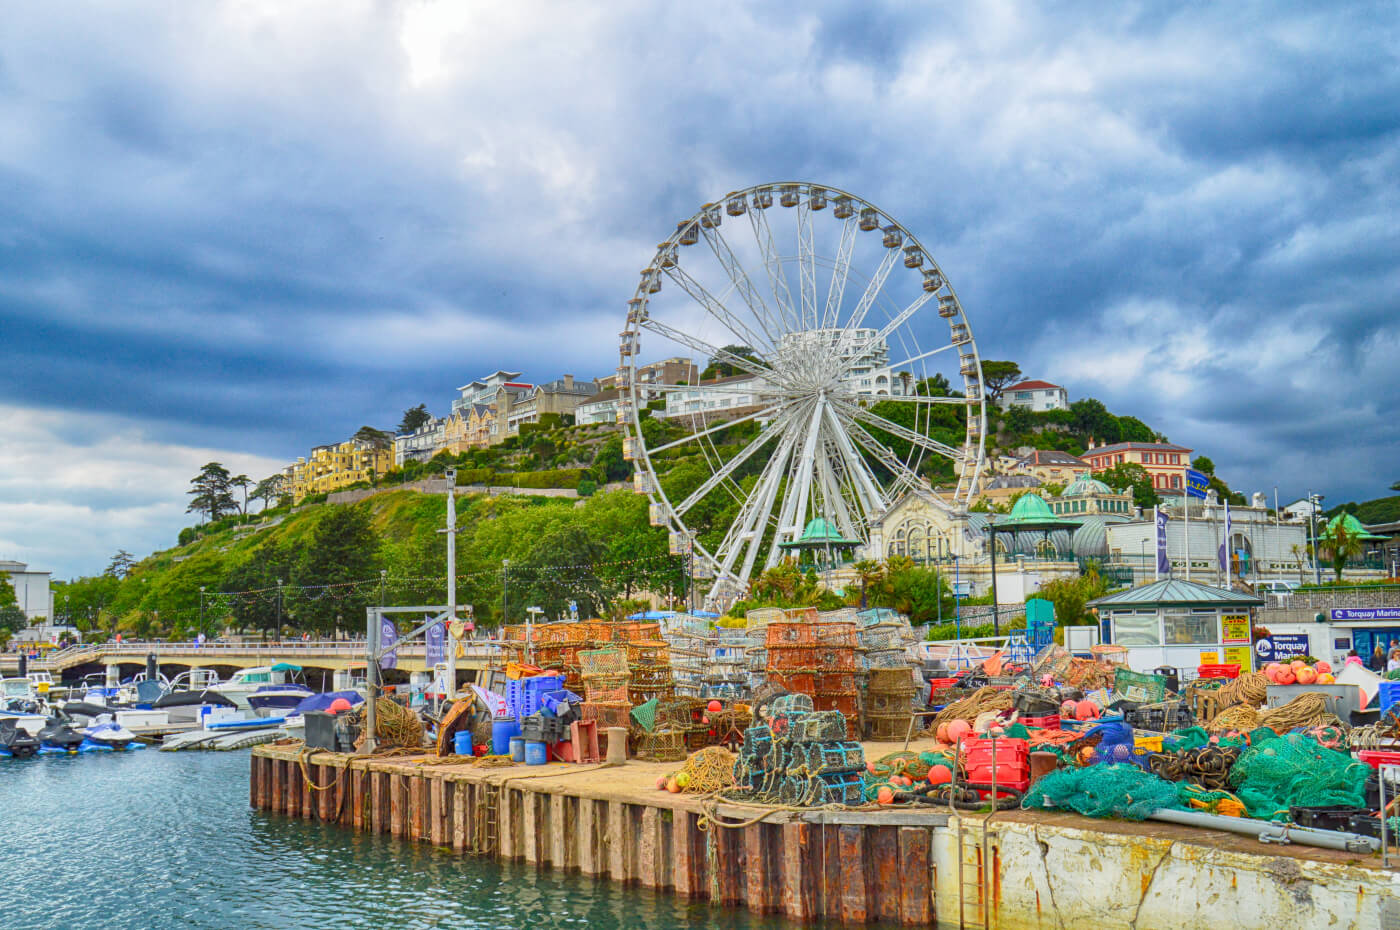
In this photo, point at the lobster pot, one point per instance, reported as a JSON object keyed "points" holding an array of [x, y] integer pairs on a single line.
{"points": [[885, 659], [603, 663], [819, 726], [844, 788], [760, 618], [832, 756], [883, 636], [887, 727]]}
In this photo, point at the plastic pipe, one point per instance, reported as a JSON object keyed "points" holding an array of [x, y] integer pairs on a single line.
{"points": [[1272, 832]]}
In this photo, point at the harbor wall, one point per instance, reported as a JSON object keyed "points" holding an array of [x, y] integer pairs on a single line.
{"points": [[1020, 870]]}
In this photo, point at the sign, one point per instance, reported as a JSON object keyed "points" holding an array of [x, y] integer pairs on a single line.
{"points": [[1281, 646], [1234, 628], [1164, 566], [434, 647], [1197, 483], [1239, 655], [388, 636], [1210, 658], [1365, 613]]}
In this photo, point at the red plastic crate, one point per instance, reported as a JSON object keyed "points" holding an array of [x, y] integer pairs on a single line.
{"points": [[1008, 773], [1050, 722], [1375, 758], [1219, 671]]}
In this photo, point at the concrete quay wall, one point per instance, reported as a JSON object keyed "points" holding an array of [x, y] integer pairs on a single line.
{"points": [[1017, 871]]}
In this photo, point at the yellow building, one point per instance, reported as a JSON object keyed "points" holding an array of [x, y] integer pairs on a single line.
{"points": [[333, 467]]}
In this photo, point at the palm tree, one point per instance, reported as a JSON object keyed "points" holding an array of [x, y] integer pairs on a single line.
{"points": [[1298, 552], [871, 575], [1340, 544]]}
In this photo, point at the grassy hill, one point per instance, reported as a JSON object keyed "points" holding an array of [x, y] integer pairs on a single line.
{"points": [[1379, 510]]}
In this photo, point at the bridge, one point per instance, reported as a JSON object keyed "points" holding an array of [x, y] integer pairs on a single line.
{"points": [[328, 656]]}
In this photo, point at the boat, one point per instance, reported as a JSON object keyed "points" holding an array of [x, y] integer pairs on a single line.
{"points": [[249, 681], [18, 695], [58, 737], [195, 739], [105, 733], [84, 713], [242, 740], [278, 699], [190, 706], [15, 741]]}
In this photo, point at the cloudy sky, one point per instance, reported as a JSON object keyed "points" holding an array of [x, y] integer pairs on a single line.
{"points": [[232, 230]]}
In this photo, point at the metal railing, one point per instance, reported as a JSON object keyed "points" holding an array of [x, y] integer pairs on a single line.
{"points": [[210, 652]]}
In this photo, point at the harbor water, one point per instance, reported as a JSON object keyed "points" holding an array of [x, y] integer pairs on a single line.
{"points": [[131, 841]]}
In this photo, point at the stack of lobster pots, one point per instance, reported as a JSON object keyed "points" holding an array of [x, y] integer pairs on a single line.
{"points": [[756, 645], [817, 659], [649, 671], [689, 651], [726, 665], [605, 687], [889, 703]]}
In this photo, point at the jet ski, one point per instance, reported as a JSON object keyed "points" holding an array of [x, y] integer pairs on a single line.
{"points": [[58, 736], [105, 734], [85, 713], [15, 741]]}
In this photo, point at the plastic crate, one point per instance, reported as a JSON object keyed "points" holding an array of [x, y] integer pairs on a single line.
{"points": [[525, 696], [1219, 671], [1387, 694], [1048, 722], [1159, 719], [1329, 817], [1375, 758]]}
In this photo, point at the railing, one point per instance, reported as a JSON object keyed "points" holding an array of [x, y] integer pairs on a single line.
{"points": [[320, 648]]}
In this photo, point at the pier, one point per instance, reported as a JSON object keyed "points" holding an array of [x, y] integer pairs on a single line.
{"points": [[1012, 870]]}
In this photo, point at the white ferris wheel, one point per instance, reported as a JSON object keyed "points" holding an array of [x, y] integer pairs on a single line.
{"points": [[829, 326]]}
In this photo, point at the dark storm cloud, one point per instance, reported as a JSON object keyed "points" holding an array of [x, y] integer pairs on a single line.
{"points": [[256, 228]]}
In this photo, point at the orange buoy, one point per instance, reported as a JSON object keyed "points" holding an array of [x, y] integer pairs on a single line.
{"points": [[714, 707], [885, 795], [338, 705], [939, 775]]}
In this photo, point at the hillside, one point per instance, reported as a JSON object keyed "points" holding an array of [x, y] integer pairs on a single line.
{"points": [[329, 559], [1379, 510]]}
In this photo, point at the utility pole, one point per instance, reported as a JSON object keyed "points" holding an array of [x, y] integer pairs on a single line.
{"points": [[1312, 536], [992, 546], [201, 608], [505, 582], [451, 641]]}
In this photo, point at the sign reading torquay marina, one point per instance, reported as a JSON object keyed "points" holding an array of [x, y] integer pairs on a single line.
{"points": [[1365, 613]]}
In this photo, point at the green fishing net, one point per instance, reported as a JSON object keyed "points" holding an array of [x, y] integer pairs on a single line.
{"points": [[1296, 771], [1103, 791]]}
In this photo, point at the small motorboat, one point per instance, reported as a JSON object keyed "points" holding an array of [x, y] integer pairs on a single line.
{"points": [[15, 741], [276, 700], [85, 713], [105, 733], [58, 736]]}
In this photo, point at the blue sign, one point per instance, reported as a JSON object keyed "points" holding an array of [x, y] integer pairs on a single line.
{"points": [[388, 636], [1197, 483], [1281, 646], [435, 641], [1365, 613]]}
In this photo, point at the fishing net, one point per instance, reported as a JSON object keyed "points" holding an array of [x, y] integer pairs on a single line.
{"points": [[1103, 791], [1296, 771], [708, 770]]}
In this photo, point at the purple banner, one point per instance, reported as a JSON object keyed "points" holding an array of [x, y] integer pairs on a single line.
{"points": [[388, 636], [435, 644], [1224, 552], [1164, 565]]}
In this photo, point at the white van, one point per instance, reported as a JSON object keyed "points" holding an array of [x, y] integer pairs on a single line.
{"points": [[1281, 588]]}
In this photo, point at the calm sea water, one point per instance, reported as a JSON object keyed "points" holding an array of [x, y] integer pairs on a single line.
{"points": [[152, 840]]}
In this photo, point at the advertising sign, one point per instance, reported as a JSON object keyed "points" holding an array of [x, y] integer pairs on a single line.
{"points": [[1239, 655], [435, 644], [1365, 613], [388, 636], [1281, 646], [1234, 628]]}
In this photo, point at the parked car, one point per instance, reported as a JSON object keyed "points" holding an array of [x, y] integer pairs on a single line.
{"points": [[1280, 588]]}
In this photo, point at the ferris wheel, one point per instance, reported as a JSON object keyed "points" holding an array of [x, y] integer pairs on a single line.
{"points": [[828, 351]]}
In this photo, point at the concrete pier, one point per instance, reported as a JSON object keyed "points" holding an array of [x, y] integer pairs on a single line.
{"points": [[1020, 869]]}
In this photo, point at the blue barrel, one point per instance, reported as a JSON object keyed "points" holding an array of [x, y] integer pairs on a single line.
{"points": [[536, 753], [502, 729], [517, 748], [462, 743]]}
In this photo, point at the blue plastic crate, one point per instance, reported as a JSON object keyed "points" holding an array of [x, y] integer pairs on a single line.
{"points": [[1388, 694], [525, 696]]}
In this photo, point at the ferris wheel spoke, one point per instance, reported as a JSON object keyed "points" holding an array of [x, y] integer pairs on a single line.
{"points": [[800, 487], [806, 264], [872, 290], [704, 348], [773, 264], [872, 498], [717, 309], [904, 477], [747, 529], [883, 333], [923, 355], [766, 435], [741, 283], [912, 399], [894, 429], [833, 494], [840, 270], [767, 411]]}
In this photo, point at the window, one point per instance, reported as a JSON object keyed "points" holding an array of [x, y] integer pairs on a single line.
{"points": [[1185, 628], [1136, 629], [1176, 481]]}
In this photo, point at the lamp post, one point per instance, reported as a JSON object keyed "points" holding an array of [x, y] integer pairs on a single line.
{"points": [[505, 582], [1312, 537], [279, 608], [201, 608]]}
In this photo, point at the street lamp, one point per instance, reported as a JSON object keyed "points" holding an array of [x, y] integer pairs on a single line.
{"points": [[201, 608], [505, 581]]}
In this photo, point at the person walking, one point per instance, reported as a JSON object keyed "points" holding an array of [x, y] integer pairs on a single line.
{"points": [[1378, 659]]}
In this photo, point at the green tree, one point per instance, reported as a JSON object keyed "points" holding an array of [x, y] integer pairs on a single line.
{"points": [[1203, 465], [563, 566], [376, 438], [1131, 475], [608, 463], [414, 417], [270, 489], [721, 367], [210, 493], [1093, 421], [343, 548], [243, 483], [1131, 429], [121, 564], [1071, 597], [1339, 544], [587, 487], [12, 618], [259, 573], [997, 376]]}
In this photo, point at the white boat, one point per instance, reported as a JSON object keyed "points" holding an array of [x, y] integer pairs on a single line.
{"points": [[108, 734], [247, 681], [30, 723]]}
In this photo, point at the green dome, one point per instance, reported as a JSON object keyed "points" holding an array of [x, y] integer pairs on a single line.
{"points": [[1083, 486], [1352, 526], [1031, 508]]}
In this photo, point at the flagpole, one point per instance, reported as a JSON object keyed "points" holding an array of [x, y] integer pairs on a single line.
{"points": [[1186, 508]]}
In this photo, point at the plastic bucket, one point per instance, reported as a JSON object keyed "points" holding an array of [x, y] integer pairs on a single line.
{"points": [[462, 743], [502, 729], [536, 753], [517, 748]]}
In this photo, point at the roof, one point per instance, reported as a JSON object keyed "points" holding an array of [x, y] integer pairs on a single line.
{"points": [[1352, 526], [600, 397], [1012, 481], [1032, 386], [820, 532], [1052, 457], [1176, 592], [1031, 512], [484, 379], [1083, 486], [1148, 446]]}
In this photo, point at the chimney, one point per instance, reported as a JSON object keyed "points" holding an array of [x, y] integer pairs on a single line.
{"points": [[568, 382]]}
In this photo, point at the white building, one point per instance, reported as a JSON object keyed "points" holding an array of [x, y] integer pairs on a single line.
{"points": [[1261, 548], [482, 390], [1300, 509], [1035, 395], [740, 394], [32, 589], [866, 358], [600, 408], [421, 444]]}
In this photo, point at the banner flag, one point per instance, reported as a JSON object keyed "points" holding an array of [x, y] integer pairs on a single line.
{"points": [[388, 636], [1224, 552], [435, 644], [1164, 565], [1197, 483]]}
